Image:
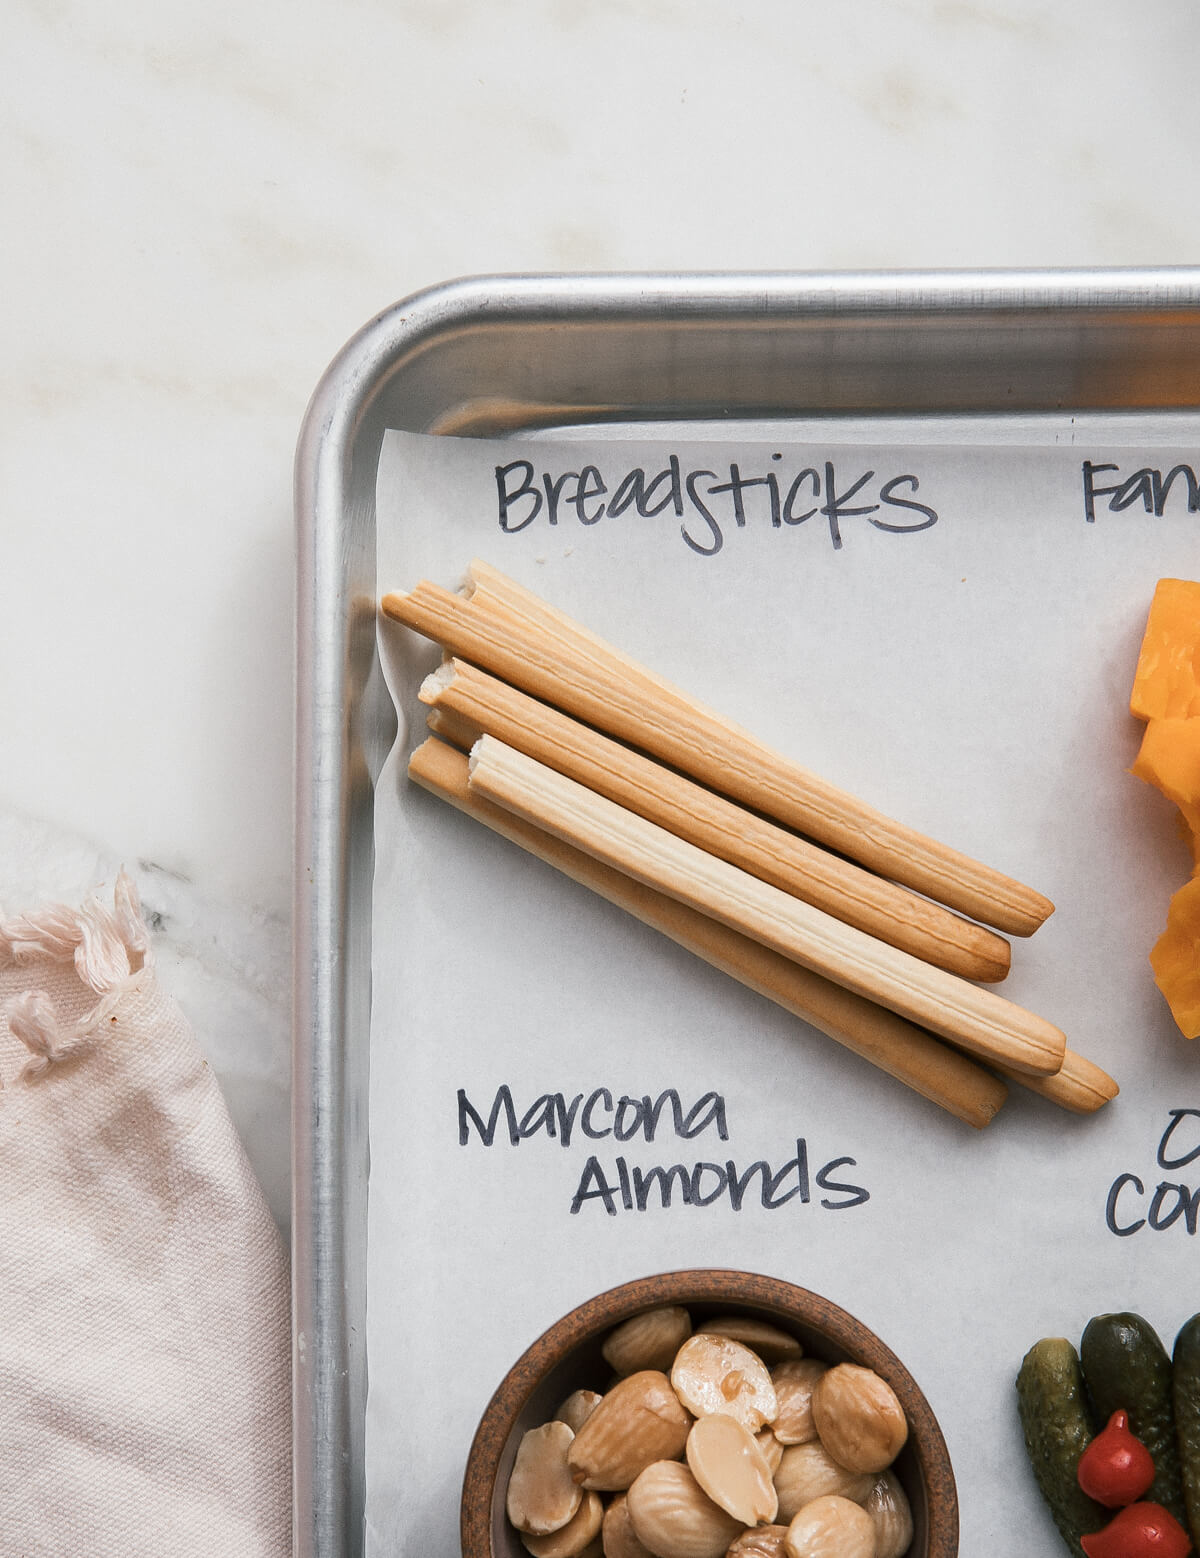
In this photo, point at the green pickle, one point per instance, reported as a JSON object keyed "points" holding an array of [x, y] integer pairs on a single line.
{"points": [[1187, 1417], [1127, 1368], [1058, 1426]]}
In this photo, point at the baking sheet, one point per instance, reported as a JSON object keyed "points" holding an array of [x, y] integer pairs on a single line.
{"points": [[971, 677]]}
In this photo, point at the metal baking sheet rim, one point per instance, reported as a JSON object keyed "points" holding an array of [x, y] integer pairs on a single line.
{"points": [[492, 354]]}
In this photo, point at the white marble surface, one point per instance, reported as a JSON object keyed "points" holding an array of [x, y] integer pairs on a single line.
{"points": [[201, 203]]}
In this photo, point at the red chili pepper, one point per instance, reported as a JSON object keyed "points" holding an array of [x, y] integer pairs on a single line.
{"points": [[1116, 1468], [1139, 1531]]}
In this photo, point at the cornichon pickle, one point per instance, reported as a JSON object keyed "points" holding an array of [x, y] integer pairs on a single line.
{"points": [[1126, 1367], [1058, 1427], [1186, 1380]]}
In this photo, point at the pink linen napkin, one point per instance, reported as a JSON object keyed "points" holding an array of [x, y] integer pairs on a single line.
{"points": [[144, 1302]]}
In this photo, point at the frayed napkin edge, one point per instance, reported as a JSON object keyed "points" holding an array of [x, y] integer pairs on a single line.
{"points": [[109, 948]]}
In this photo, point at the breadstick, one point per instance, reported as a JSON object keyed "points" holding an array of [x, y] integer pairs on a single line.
{"points": [[895, 915], [459, 732], [974, 1019], [511, 633], [1080, 1085], [908, 1053]]}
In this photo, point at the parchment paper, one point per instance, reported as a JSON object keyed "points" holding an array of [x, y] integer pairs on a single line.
{"points": [[971, 677]]}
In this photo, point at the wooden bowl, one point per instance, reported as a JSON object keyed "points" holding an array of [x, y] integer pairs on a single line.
{"points": [[567, 1357]]}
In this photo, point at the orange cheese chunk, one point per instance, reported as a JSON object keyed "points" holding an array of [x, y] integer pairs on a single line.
{"points": [[1189, 831], [1169, 759], [1176, 958], [1166, 684]]}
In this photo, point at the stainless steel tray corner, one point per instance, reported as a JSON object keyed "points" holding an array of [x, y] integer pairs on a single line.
{"points": [[490, 354]]}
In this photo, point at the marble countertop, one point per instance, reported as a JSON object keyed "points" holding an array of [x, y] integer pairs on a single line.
{"points": [[203, 203]]}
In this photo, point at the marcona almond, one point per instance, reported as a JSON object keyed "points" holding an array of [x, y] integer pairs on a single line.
{"points": [[732, 1470], [831, 1527], [674, 1517], [762, 1542], [770, 1342], [647, 1341], [716, 1374], [617, 1533], [639, 1421], [542, 1493], [771, 1447], [888, 1506], [577, 1408], [794, 1381], [573, 1539], [859, 1418], [808, 1471]]}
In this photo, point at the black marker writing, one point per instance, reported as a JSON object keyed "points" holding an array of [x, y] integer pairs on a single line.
{"points": [[1146, 486], [622, 1185], [1168, 1204], [628, 1187], [1167, 1144], [596, 1115], [707, 504], [1127, 1210]]}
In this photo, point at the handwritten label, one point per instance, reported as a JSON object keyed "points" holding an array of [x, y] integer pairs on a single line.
{"points": [[1134, 1206], [619, 1185], [707, 503], [1147, 486]]}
